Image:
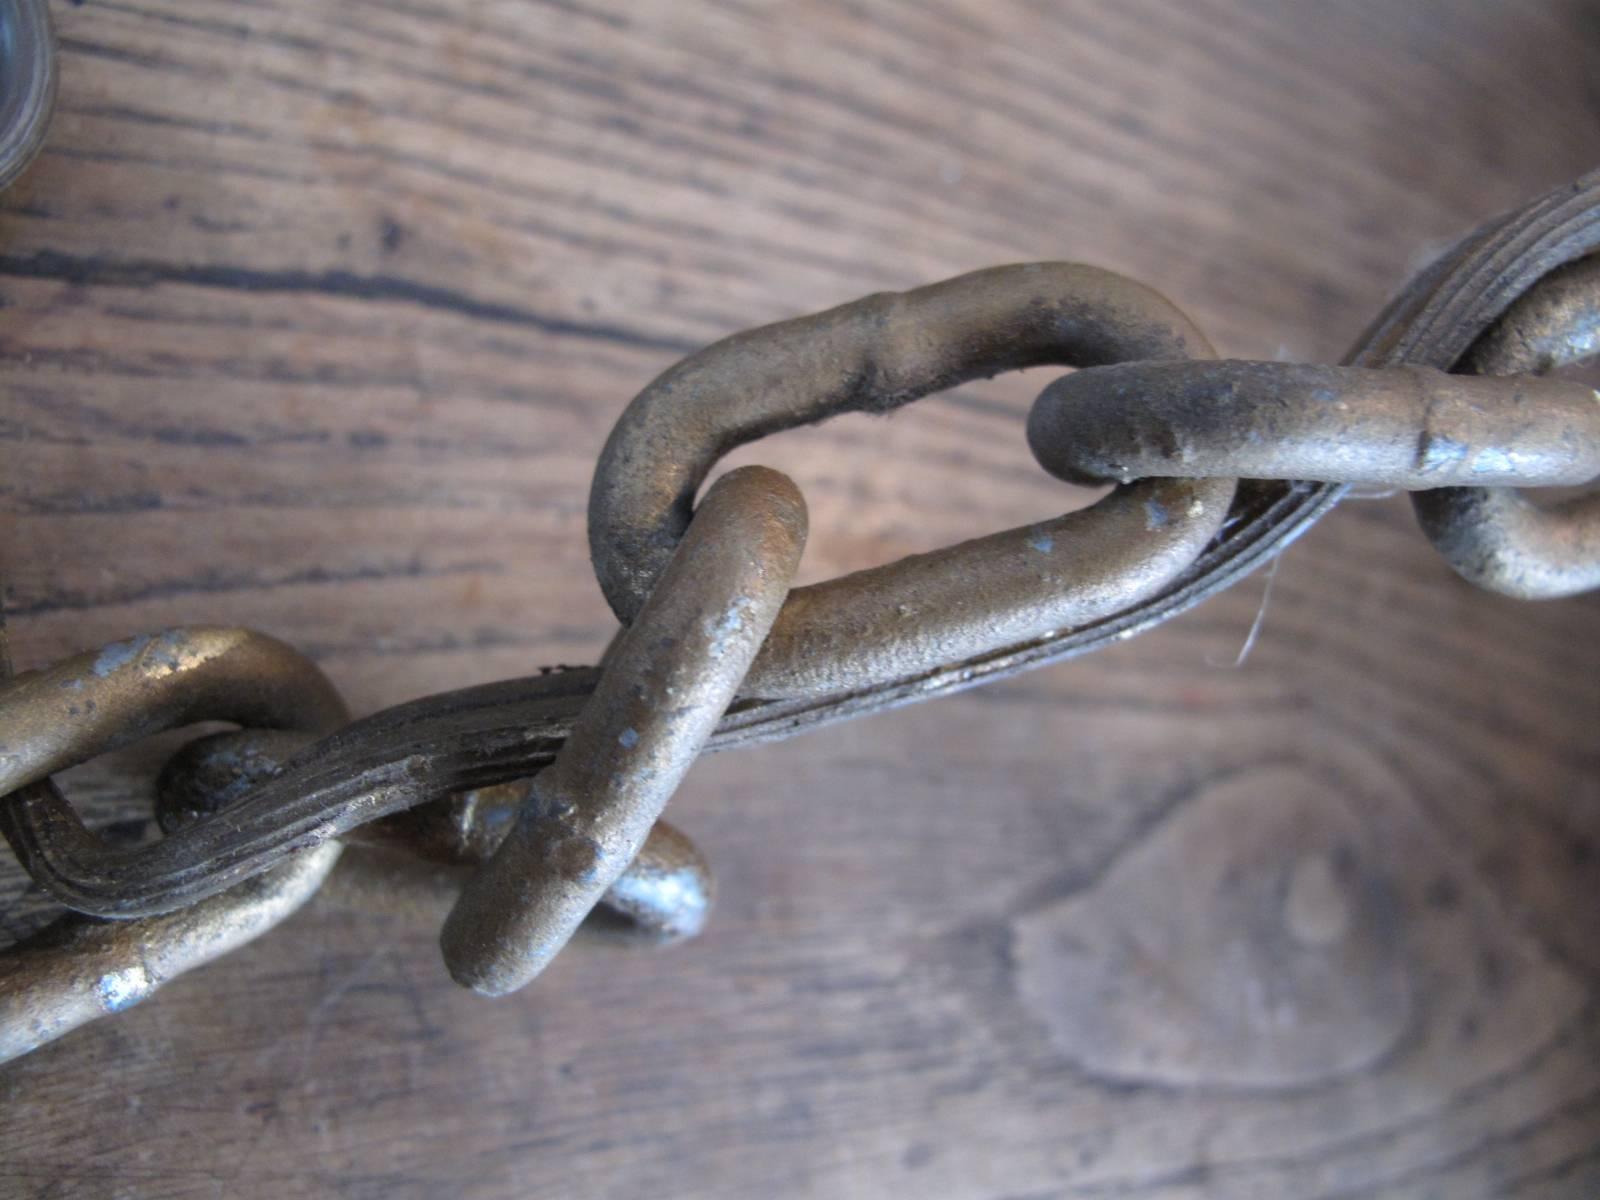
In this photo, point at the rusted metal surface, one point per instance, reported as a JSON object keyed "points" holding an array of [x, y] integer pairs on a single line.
{"points": [[873, 355], [1405, 427], [27, 83], [667, 683], [1503, 539]]}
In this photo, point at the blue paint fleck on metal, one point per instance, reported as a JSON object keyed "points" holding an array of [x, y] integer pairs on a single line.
{"points": [[1436, 451], [118, 654], [121, 990], [1493, 460]]}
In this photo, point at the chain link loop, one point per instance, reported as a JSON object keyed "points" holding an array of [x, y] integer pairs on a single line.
{"points": [[254, 819], [874, 355], [667, 682], [1499, 538]]}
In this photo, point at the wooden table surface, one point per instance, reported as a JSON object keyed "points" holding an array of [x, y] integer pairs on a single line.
{"points": [[313, 318]]}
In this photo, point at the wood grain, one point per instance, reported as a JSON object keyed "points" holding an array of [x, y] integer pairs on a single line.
{"points": [[314, 319]]}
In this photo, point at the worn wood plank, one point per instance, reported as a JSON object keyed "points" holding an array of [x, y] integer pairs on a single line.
{"points": [[314, 319]]}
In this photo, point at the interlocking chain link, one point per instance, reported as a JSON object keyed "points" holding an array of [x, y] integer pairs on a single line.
{"points": [[959, 604], [667, 682], [254, 819]]}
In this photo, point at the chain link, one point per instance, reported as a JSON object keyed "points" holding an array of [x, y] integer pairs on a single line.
{"points": [[254, 819], [667, 682], [958, 604]]}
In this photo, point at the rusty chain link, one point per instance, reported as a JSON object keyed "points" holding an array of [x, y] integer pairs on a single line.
{"points": [[1218, 466]]}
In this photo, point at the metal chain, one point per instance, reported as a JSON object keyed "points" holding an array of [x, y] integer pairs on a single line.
{"points": [[1218, 465]]}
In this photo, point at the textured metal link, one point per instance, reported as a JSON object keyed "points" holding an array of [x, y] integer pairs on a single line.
{"points": [[79, 968], [667, 682], [1405, 427], [111, 697], [102, 699], [1458, 441], [922, 627], [874, 355], [584, 833], [663, 895], [1500, 538], [1463, 313]]}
